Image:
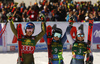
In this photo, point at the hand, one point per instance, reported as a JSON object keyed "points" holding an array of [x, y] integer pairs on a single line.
{"points": [[50, 60], [20, 60], [9, 14], [42, 17], [89, 62]]}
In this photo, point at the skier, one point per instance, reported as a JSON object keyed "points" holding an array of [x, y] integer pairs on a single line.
{"points": [[79, 48], [28, 41], [56, 46]]}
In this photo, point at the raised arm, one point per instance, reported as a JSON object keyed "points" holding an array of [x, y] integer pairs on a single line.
{"points": [[69, 37], [64, 38], [45, 38], [40, 35], [13, 28], [9, 15]]}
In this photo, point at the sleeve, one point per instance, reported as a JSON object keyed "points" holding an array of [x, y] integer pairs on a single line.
{"points": [[64, 38], [67, 18], [13, 28], [69, 37], [40, 35], [45, 38]]}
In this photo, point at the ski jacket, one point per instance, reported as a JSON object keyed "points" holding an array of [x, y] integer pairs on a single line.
{"points": [[29, 43], [79, 49], [56, 50], [57, 47]]}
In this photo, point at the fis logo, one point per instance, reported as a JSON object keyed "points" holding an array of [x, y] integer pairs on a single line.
{"points": [[96, 33]]}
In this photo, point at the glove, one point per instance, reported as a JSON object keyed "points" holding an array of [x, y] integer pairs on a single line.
{"points": [[90, 61], [50, 60], [42, 17], [20, 61], [9, 15]]}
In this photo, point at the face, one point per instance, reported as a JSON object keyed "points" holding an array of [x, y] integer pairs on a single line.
{"points": [[29, 32], [80, 37], [57, 36]]}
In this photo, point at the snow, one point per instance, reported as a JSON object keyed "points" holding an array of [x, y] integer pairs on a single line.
{"points": [[42, 57]]}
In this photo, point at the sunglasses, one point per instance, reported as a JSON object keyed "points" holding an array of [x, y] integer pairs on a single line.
{"points": [[29, 30], [57, 35], [80, 35]]}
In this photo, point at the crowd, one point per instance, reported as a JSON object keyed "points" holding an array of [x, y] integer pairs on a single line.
{"points": [[60, 11]]}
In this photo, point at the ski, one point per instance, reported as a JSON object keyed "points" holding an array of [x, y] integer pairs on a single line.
{"points": [[90, 30], [49, 40], [4, 28], [19, 32], [81, 27]]}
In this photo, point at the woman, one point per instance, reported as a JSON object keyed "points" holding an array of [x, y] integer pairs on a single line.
{"points": [[79, 48]]}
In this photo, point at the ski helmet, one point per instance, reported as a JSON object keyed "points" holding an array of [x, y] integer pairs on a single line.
{"points": [[57, 30], [29, 25], [80, 32]]}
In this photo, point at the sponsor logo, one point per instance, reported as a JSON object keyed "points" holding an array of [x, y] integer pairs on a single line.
{"points": [[96, 33], [98, 46], [28, 40], [79, 57], [16, 47], [41, 47], [55, 56], [28, 48], [12, 48]]}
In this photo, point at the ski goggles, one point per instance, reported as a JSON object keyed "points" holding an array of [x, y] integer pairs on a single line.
{"points": [[80, 35], [57, 35], [29, 30], [29, 26]]}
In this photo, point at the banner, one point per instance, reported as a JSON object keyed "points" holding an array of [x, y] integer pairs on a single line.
{"points": [[41, 45], [96, 33], [1, 37]]}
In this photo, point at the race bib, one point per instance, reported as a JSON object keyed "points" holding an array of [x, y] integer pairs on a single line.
{"points": [[28, 49], [55, 56], [79, 57]]}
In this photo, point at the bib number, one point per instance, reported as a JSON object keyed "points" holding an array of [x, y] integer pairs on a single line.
{"points": [[56, 50], [80, 51]]}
